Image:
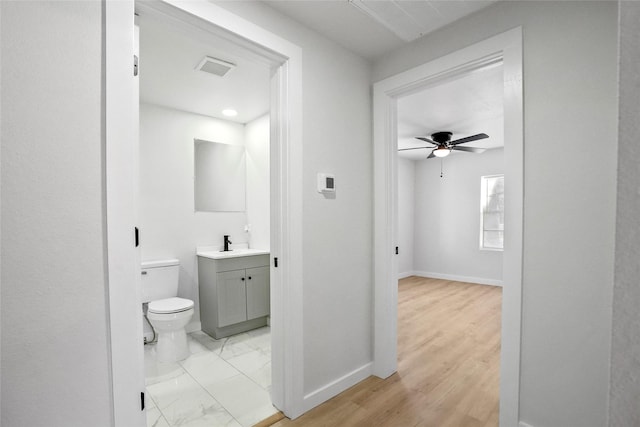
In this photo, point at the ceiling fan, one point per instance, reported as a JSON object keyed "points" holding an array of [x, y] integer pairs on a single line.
{"points": [[443, 144]]}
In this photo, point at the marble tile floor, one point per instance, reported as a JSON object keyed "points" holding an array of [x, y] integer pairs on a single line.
{"points": [[224, 383]]}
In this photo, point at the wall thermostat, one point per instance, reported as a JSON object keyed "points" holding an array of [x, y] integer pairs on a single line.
{"points": [[326, 183]]}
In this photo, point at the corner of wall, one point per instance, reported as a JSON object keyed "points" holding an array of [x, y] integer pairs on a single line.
{"points": [[406, 274], [459, 278], [337, 386]]}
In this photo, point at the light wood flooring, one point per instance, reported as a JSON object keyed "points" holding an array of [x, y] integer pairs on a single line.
{"points": [[448, 364]]}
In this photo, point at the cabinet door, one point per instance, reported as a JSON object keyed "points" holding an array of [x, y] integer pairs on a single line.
{"points": [[232, 297], [258, 295]]}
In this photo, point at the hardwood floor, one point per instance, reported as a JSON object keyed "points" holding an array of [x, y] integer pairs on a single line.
{"points": [[448, 364]]}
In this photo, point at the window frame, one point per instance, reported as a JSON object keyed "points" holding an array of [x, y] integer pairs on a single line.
{"points": [[483, 204]]}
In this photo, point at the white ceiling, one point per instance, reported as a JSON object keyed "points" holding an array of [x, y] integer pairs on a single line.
{"points": [[168, 57], [350, 27], [466, 106]]}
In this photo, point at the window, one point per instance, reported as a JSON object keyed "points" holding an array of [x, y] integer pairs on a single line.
{"points": [[492, 212]]}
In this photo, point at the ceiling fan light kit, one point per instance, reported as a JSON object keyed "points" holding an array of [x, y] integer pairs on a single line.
{"points": [[442, 144], [441, 152]]}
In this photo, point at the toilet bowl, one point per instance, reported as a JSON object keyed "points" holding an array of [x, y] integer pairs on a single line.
{"points": [[169, 317], [167, 314]]}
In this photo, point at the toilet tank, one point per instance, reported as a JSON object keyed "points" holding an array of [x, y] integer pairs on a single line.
{"points": [[159, 279]]}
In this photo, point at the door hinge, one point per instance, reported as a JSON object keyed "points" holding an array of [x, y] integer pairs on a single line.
{"points": [[396, 250], [137, 236], [142, 400], [135, 65], [275, 262]]}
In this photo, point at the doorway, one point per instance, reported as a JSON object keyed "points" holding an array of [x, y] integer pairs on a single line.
{"points": [[203, 174], [505, 48], [451, 239], [284, 59]]}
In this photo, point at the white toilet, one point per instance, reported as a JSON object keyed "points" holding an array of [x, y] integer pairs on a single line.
{"points": [[167, 313]]}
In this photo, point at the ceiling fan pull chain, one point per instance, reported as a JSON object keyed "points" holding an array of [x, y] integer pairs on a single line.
{"points": [[441, 161]]}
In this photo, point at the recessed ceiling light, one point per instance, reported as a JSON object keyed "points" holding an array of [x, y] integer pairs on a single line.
{"points": [[230, 112]]}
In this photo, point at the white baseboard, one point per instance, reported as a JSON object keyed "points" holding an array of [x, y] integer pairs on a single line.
{"points": [[469, 279], [406, 274], [330, 390]]}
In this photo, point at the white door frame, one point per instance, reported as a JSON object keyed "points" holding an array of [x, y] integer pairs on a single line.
{"points": [[127, 366], [505, 47]]}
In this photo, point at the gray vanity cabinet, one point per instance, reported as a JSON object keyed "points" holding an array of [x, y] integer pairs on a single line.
{"points": [[232, 297], [258, 295], [234, 294]]}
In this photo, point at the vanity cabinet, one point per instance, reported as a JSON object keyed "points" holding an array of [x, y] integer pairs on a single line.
{"points": [[242, 295], [234, 294]]}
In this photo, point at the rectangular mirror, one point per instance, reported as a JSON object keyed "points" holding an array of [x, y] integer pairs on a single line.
{"points": [[220, 175]]}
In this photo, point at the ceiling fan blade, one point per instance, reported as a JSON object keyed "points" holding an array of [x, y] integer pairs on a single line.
{"points": [[413, 148], [469, 139], [430, 156], [425, 139], [469, 149]]}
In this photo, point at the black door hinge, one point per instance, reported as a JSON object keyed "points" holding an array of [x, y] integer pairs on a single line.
{"points": [[275, 261], [137, 236], [396, 250], [135, 65], [142, 400]]}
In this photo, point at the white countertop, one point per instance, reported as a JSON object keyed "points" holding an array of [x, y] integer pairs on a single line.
{"points": [[235, 253]]}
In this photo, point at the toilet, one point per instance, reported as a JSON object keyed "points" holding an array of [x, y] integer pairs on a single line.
{"points": [[167, 313]]}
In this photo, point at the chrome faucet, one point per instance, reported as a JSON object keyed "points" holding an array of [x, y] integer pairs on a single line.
{"points": [[226, 244]]}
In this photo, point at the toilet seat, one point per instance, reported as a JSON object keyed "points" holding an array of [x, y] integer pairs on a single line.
{"points": [[170, 305]]}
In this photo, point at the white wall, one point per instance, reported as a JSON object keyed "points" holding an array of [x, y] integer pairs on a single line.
{"points": [[406, 206], [0, 221], [53, 211], [256, 141], [52, 207], [447, 218], [625, 355], [55, 351], [569, 210], [337, 285], [169, 226]]}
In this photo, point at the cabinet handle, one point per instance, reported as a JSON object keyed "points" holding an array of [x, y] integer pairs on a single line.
{"points": [[249, 277], [242, 278]]}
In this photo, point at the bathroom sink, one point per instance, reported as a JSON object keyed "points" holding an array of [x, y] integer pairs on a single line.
{"points": [[235, 253]]}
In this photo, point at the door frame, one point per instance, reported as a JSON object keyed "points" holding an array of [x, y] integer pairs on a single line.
{"points": [[507, 48], [122, 269]]}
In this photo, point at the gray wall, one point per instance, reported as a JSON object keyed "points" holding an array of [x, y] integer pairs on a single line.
{"points": [[52, 208], [447, 218], [406, 209], [625, 356], [52, 211], [55, 355], [257, 142], [570, 74], [337, 240]]}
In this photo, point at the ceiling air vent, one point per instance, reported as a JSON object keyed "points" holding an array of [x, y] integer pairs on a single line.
{"points": [[215, 66]]}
